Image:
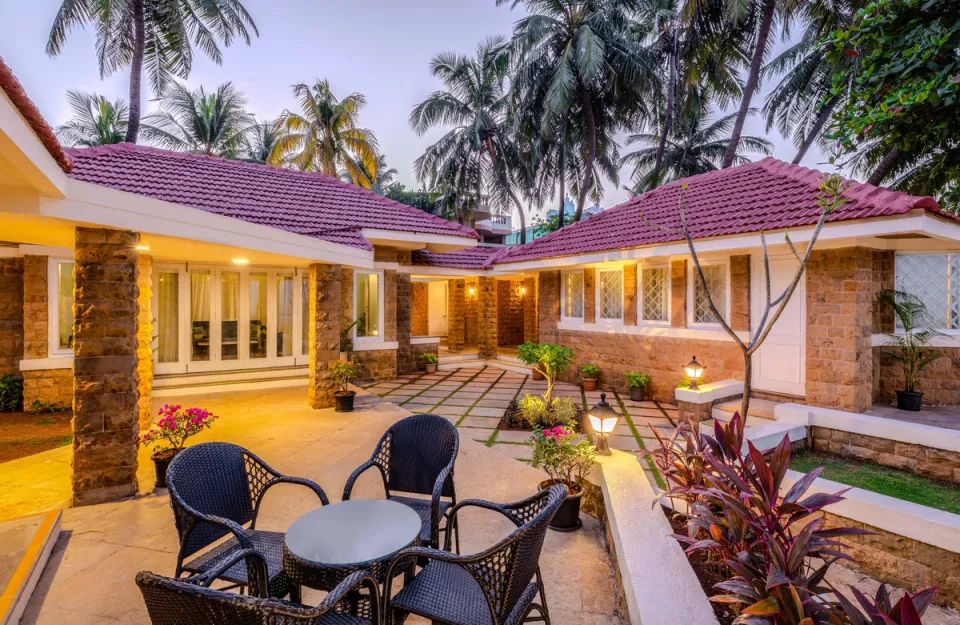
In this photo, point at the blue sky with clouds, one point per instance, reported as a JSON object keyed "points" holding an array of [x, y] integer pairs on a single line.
{"points": [[381, 48]]}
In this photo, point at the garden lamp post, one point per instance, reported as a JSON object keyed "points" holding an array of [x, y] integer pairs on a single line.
{"points": [[693, 370], [603, 419]]}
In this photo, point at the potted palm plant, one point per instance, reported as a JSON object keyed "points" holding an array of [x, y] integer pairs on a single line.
{"points": [[345, 372], [911, 345], [637, 382], [589, 376], [567, 459], [174, 426], [429, 361]]}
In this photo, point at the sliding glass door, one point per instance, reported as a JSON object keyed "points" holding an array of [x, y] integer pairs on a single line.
{"points": [[213, 318]]}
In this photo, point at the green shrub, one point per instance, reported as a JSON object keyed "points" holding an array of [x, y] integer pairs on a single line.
{"points": [[429, 358], [345, 372], [40, 405], [11, 392], [637, 379], [533, 409], [536, 412], [590, 372], [549, 359], [563, 411]]}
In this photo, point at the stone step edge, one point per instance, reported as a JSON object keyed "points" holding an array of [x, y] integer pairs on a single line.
{"points": [[18, 590]]}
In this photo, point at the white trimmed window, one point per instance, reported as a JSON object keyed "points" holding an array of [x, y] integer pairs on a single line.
{"points": [[571, 295], [716, 278], [610, 294], [60, 308], [935, 280], [368, 305], [654, 294]]}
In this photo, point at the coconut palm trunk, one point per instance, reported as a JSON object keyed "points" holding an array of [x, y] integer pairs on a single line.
{"points": [[591, 153], [883, 167], [814, 133], [671, 104], [561, 189], [136, 70], [766, 23]]}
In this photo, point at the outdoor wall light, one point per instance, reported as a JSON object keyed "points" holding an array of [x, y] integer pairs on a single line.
{"points": [[143, 248], [241, 261], [472, 291], [693, 370], [523, 290], [603, 419]]}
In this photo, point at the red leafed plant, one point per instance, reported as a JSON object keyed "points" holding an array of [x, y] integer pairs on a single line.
{"points": [[775, 546], [880, 611]]}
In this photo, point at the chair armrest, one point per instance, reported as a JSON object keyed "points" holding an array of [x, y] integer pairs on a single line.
{"points": [[445, 475], [302, 481], [354, 581], [348, 488], [256, 571], [476, 503]]}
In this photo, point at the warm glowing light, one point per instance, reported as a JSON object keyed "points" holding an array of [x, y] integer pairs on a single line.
{"points": [[603, 419], [143, 248], [472, 291], [241, 261], [603, 426], [523, 290], [694, 370]]}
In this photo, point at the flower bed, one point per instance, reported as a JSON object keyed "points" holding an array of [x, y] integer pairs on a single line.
{"points": [[513, 419]]}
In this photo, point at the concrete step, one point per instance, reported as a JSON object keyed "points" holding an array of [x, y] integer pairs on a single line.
{"points": [[764, 434], [512, 360], [26, 545], [179, 380], [759, 408], [448, 360]]}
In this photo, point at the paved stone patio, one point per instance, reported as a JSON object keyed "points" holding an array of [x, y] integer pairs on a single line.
{"points": [[475, 398], [89, 579]]}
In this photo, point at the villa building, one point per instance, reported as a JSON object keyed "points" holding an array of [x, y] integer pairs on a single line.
{"points": [[127, 271]]}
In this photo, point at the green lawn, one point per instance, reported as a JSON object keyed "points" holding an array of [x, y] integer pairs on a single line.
{"points": [[883, 480]]}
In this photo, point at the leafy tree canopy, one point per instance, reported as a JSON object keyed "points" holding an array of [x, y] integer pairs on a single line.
{"points": [[542, 226]]}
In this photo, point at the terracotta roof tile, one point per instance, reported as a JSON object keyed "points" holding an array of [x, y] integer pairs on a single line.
{"points": [[468, 258], [30, 112], [311, 204]]}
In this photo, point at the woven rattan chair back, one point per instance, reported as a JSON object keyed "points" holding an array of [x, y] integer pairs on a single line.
{"points": [[415, 450], [213, 479], [175, 602]]}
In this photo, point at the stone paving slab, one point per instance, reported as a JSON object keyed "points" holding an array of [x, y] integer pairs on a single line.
{"points": [[459, 401], [480, 422], [518, 452], [480, 411], [513, 436], [449, 411], [477, 434], [626, 443]]}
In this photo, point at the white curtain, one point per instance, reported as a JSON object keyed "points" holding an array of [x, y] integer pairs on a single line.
{"points": [[200, 296], [284, 316], [168, 317], [305, 316], [229, 296], [258, 298]]}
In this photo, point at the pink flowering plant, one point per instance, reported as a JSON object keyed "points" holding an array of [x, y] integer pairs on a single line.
{"points": [[174, 426], [563, 454]]}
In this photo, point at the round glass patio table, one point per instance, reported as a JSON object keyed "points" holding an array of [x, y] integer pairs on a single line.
{"points": [[329, 543]]}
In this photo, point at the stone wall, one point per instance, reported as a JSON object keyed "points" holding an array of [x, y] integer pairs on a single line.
{"points": [[840, 294], [51, 388], [589, 295], [510, 315], [324, 333], [903, 562], [11, 315], [105, 421], [47, 389], [456, 311], [145, 339], [548, 306], [938, 464], [420, 319], [884, 265], [377, 364], [423, 348], [530, 306], [740, 292], [487, 311], [630, 294], [471, 312], [405, 362], [660, 357], [678, 294], [939, 381]]}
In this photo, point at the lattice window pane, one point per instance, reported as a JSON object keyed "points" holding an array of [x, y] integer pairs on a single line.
{"points": [[716, 277], [611, 294], [655, 304], [573, 295], [935, 279]]}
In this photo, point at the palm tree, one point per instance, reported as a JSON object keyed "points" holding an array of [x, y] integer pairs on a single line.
{"points": [[261, 139], [215, 124], [95, 120], [477, 155], [696, 146], [155, 33], [384, 177], [582, 62], [326, 136]]}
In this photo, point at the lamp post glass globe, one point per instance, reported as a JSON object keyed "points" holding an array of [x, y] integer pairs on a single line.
{"points": [[694, 370], [603, 420]]}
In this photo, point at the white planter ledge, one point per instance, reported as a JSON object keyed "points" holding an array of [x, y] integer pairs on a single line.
{"points": [[43, 364], [369, 346], [708, 393], [424, 340]]}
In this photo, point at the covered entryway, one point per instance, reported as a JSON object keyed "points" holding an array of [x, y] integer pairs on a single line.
{"points": [[437, 308], [779, 366]]}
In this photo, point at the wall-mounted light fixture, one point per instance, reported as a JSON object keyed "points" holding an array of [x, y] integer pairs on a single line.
{"points": [[241, 261], [143, 247], [523, 290], [472, 290]]}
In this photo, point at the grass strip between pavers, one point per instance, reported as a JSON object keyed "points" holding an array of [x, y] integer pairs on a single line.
{"points": [[405, 383], [636, 434], [477, 400], [493, 437], [443, 379]]}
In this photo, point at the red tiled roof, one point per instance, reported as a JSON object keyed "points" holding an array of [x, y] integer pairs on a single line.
{"points": [[467, 258], [306, 203], [765, 195], [30, 112]]}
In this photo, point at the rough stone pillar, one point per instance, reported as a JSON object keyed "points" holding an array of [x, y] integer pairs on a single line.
{"points": [[11, 315], [630, 294], [420, 295], [405, 361], [470, 311], [456, 311], [324, 340], [548, 305], [884, 321], [145, 339], [678, 293], [589, 295], [530, 301], [740, 292], [487, 331], [35, 307], [840, 294], [105, 397]]}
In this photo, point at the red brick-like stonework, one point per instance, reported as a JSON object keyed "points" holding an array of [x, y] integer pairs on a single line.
{"points": [[105, 421], [939, 464], [324, 340], [420, 320], [678, 293], [11, 315], [630, 294], [548, 305], [510, 312], [740, 292], [487, 330], [530, 306], [145, 339], [589, 295], [35, 307], [456, 315]]}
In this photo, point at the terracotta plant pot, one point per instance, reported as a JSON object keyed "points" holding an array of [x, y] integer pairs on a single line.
{"points": [[567, 518], [909, 400], [536, 375], [636, 394], [589, 384], [344, 400], [430, 368], [161, 462]]}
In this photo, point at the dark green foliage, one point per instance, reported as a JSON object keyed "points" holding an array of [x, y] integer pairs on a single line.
{"points": [[11, 392]]}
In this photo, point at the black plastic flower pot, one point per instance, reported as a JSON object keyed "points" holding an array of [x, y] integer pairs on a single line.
{"points": [[909, 400], [161, 462], [567, 517], [344, 400], [636, 394]]}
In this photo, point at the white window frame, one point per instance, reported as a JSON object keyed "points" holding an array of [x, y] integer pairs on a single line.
{"points": [[380, 288], [596, 296], [641, 294], [563, 294], [945, 331], [53, 307], [692, 304]]}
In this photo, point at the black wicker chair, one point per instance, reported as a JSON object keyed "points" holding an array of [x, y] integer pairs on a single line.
{"points": [[190, 601], [497, 586], [216, 489], [416, 456]]}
